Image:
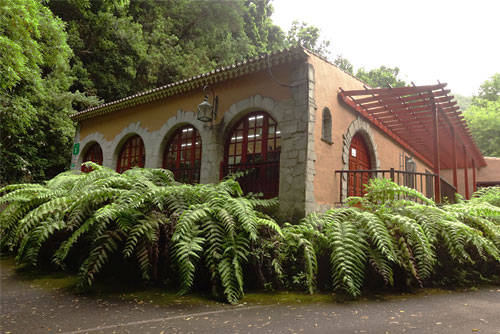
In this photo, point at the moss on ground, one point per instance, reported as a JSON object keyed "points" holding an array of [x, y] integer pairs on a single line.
{"points": [[111, 289]]}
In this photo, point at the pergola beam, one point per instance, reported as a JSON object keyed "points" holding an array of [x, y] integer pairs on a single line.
{"points": [[412, 114], [380, 125]]}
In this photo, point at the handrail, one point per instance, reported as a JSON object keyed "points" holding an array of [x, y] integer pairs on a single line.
{"points": [[351, 184], [383, 171]]}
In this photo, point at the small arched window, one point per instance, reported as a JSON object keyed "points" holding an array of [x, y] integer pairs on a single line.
{"points": [[254, 146], [94, 154], [326, 126], [131, 155], [182, 155]]}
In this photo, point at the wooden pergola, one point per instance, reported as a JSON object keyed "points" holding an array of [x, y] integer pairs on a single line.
{"points": [[424, 120]]}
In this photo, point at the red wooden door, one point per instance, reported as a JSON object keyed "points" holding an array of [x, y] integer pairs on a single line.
{"points": [[359, 159]]}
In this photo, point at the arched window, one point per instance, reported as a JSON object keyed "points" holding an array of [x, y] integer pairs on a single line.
{"points": [[94, 154], [182, 155], [132, 154], [254, 146], [326, 126]]}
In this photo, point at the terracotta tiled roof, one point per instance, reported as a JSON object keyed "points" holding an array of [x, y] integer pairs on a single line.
{"points": [[240, 68]]}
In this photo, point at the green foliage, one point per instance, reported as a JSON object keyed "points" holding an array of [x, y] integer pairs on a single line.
{"points": [[124, 47], [489, 91], [484, 122], [381, 77], [385, 233], [181, 232], [142, 215], [344, 64], [483, 117], [35, 131], [464, 102], [309, 37], [81, 52]]}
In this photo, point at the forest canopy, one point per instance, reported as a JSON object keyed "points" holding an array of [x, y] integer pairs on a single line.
{"points": [[85, 52]]}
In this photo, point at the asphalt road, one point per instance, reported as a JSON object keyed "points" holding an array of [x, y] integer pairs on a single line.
{"points": [[32, 308]]}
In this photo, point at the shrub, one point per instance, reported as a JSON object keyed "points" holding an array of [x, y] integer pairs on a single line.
{"points": [[384, 233], [178, 232], [142, 214]]}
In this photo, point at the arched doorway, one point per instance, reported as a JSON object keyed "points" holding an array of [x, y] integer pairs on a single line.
{"points": [[132, 154], [182, 155], [94, 154], [359, 159], [253, 146]]}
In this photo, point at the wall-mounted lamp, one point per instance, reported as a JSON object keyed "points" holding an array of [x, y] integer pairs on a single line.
{"points": [[206, 111], [411, 165]]}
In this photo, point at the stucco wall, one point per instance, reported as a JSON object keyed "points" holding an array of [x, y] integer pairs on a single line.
{"points": [[447, 174], [491, 172], [385, 152], [154, 114]]}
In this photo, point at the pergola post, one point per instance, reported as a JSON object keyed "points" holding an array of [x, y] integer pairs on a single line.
{"points": [[435, 142], [454, 153], [474, 185], [466, 176]]}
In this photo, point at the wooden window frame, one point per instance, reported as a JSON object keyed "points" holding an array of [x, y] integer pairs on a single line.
{"points": [[134, 151], [183, 144], [262, 167], [94, 154]]}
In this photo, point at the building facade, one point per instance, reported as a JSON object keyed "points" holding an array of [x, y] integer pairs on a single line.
{"points": [[279, 118]]}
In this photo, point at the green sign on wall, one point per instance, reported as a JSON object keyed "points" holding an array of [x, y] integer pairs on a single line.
{"points": [[76, 148]]}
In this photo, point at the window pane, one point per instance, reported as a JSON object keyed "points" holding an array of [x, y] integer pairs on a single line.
{"points": [[239, 149], [260, 119], [183, 154]]}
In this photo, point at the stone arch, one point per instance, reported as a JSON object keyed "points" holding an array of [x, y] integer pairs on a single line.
{"points": [[87, 142], [326, 125], [362, 127], [160, 138], [243, 107], [213, 136], [121, 138]]}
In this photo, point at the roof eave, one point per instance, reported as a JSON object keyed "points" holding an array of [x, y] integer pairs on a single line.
{"points": [[217, 75]]}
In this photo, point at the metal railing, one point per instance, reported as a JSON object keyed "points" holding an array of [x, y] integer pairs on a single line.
{"points": [[447, 192], [422, 182], [259, 177]]}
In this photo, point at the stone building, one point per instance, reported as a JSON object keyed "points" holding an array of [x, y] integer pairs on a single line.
{"points": [[294, 121]]}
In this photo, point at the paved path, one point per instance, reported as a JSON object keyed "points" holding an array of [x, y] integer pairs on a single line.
{"points": [[27, 308]]}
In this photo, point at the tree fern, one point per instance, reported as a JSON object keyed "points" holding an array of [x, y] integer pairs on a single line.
{"points": [[348, 256], [143, 215]]}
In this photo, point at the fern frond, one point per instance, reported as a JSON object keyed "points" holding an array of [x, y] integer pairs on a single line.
{"points": [[186, 254], [229, 268], [33, 241], [102, 248], [348, 256], [378, 232], [381, 265], [417, 244], [62, 252]]}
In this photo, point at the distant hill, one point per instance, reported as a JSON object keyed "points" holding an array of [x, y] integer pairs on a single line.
{"points": [[464, 102]]}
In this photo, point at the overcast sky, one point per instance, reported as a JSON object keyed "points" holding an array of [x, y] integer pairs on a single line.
{"points": [[457, 42]]}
